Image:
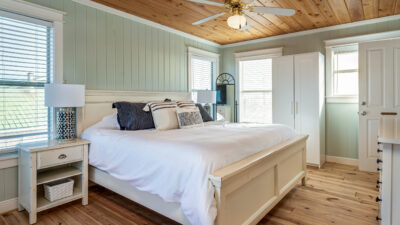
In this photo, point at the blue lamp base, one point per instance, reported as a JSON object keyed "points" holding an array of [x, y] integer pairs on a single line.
{"points": [[66, 123]]}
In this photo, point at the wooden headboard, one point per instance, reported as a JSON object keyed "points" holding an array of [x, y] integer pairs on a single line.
{"points": [[98, 103]]}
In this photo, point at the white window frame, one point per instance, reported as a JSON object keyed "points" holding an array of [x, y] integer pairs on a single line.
{"points": [[203, 54], [53, 16], [252, 55], [330, 79]]}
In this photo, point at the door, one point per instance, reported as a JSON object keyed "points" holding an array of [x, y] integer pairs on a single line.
{"points": [[283, 91], [379, 92], [306, 67]]}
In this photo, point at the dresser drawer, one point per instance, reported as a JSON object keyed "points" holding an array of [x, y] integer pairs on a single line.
{"points": [[59, 156]]}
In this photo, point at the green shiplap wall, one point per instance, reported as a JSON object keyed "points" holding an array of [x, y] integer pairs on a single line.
{"points": [[342, 130], [341, 119], [8, 183], [109, 52]]}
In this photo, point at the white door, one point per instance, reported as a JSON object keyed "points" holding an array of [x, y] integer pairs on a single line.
{"points": [[283, 91], [307, 102], [379, 92]]}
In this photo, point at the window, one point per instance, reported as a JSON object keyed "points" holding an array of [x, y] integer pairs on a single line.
{"points": [[203, 68], [26, 64], [255, 90], [342, 73]]}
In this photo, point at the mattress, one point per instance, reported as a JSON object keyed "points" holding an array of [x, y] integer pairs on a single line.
{"points": [[175, 164]]}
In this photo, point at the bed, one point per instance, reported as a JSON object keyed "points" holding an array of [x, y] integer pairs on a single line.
{"points": [[243, 187]]}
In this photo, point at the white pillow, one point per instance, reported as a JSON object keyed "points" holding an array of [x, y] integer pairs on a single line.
{"points": [[189, 117], [110, 121], [164, 115]]}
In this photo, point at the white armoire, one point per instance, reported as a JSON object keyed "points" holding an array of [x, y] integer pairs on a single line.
{"points": [[298, 96]]}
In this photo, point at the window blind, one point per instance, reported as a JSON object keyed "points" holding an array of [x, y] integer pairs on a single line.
{"points": [[26, 64], [345, 71], [256, 91], [202, 70]]}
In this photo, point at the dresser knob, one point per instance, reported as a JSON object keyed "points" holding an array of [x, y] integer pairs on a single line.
{"points": [[378, 218], [378, 199], [379, 161], [378, 182], [379, 169], [62, 156], [379, 150], [377, 186]]}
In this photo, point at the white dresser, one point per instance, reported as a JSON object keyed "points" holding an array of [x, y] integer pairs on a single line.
{"points": [[389, 183]]}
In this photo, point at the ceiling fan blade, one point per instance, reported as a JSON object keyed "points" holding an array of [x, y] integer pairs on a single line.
{"points": [[208, 2], [208, 18], [247, 23], [275, 11]]}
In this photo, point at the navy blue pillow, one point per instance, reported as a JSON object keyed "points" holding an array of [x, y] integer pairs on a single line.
{"points": [[132, 117], [204, 113]]}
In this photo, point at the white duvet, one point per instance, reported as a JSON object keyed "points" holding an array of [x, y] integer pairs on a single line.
{"points": [[175, 164]]}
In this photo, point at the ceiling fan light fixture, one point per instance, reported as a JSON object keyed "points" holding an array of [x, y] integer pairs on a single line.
{"points": [[237, 21]]}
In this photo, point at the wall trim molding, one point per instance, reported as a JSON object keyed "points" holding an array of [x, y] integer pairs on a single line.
{"points": [[8, 205], [362, 38], [342, 160], [8, 160], [144, 21], [260, 52], [313, 31]]}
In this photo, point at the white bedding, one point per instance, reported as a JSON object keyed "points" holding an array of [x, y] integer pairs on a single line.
{"points": [[175, 164]]}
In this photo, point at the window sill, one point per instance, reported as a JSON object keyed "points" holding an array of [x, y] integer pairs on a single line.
{"points": [[342, 99], [8, 160]]}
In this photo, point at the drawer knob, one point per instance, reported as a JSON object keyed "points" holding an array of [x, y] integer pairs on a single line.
{"points": [[62, 156], [378, 218], [379, 161], [377, 186], [379, 150], [378, 169], [378, 199], [378, 182]]}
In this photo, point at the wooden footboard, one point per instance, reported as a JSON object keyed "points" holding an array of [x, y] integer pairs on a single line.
{"points": [[247, 190]]}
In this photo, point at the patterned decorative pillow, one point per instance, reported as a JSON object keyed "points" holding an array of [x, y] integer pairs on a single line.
{"points": [[189, 117], [164, 114], [185, 104]]}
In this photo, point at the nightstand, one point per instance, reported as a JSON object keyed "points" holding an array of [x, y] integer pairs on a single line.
{"points": [[48, 161]]}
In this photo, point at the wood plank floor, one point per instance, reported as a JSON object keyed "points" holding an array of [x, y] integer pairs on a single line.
{"points": [[334, 194]]}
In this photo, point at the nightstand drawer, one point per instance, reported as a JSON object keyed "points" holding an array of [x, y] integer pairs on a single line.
{"points": [[59, 156]]}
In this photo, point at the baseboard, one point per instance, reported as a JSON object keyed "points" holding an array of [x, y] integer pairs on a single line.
{"points": [[342, 160], [8, 205]]}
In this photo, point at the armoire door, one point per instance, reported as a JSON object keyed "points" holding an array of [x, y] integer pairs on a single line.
{"points": [[306, 78], [283, 90], [379, 92]]}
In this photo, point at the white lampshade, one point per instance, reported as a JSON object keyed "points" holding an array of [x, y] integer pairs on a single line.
{"points": [[64, 95], [237, 21], [206, 96]]}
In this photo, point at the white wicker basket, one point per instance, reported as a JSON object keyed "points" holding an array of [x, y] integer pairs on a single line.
{"points": [[58, 189]]}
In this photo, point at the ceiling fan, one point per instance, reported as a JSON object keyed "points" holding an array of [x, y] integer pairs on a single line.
{"points": [[238, 10]]}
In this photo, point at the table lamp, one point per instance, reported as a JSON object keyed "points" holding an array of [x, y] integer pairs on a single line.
{"points": [[206, 97], [65, 97]]}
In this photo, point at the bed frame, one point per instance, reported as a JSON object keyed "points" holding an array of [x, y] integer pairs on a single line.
{"points": [[245, 191]]}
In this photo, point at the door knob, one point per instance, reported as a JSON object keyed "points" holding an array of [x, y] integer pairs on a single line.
{"points": [[363, 113]]}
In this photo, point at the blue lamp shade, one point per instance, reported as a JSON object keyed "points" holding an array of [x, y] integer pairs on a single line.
{"points": [[65, 97]]}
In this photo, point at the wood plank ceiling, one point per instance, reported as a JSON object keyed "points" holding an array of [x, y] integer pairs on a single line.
{"points": [[311, 14]]}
